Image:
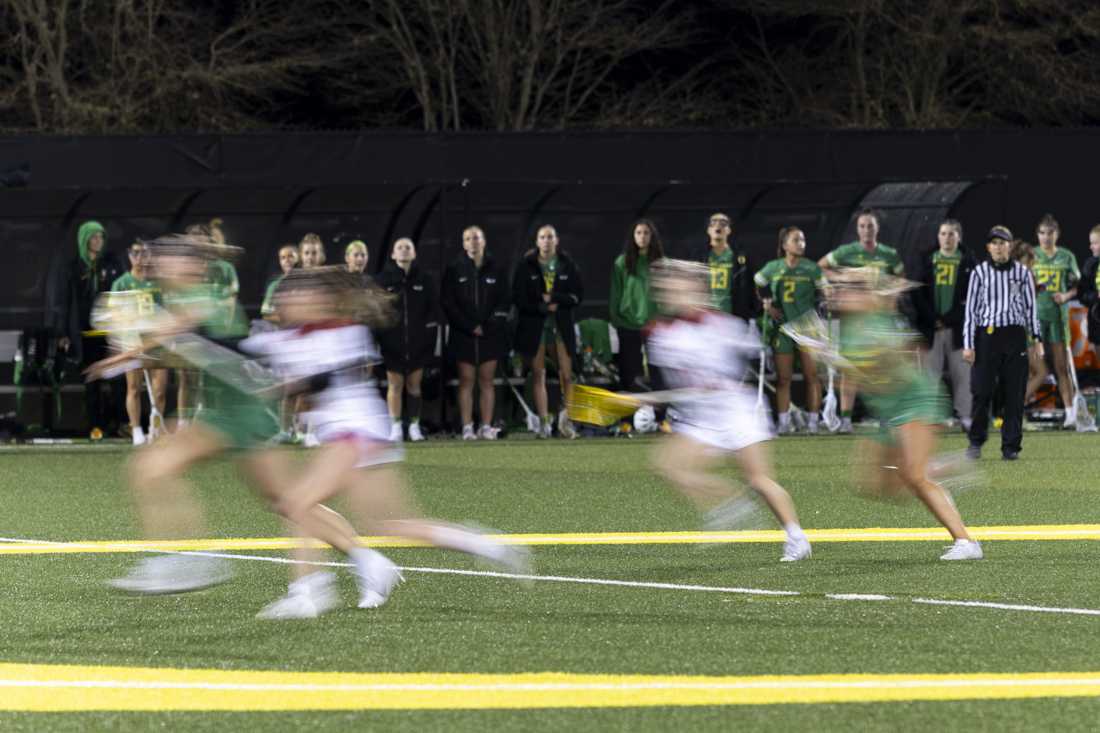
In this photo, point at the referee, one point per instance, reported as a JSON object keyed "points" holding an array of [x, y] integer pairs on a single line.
{"points": [[1000, 313]]}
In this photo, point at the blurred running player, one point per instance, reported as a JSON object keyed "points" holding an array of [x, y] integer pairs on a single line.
{"points": [[699, 347], [879, 356], [322, 353]]}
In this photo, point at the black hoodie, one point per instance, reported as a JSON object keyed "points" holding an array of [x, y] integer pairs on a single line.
{"points": [[412, 339]]}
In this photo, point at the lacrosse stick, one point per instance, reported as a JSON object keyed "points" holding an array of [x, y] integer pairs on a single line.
{"points": [[533, 422], [1085, 421], [156, 420], [760, 404]]}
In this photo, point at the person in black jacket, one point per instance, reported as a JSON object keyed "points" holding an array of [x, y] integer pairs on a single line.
{"points": [[941, 309], [409, 344], [76, 285], [474, 296], [546, 289], [1088, 289]]}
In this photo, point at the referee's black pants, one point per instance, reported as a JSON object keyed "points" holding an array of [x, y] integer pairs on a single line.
{"points": [[999, 357]]}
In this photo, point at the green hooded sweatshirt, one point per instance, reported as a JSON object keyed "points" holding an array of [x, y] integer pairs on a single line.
{"points": [[631, 304], [87, 230]]}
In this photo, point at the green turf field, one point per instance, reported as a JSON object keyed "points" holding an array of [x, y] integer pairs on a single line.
{"points": [[695, 611]]}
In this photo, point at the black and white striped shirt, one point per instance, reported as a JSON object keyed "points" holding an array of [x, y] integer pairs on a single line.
{"points": [[1000, 297]]}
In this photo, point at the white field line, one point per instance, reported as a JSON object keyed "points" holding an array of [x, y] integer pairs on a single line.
{"points": [[889, 684], [871, 597]]}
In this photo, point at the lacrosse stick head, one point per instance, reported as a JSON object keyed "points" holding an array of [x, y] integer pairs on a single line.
{"points": [[812, 334], [1086, 423], [601, 407]]}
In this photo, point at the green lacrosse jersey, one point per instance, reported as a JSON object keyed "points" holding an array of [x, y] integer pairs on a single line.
{"points": [[946, 269], [1054, 274], [721, 267], [267, 308], [854, 255], [127, 282], [217, 317], [794, 289], [223, 276]]}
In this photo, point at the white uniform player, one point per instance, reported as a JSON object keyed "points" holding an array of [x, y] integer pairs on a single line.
{"points": [[710, 352], [700, 348], [331, 357]]}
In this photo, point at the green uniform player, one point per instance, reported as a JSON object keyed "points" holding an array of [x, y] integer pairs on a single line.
{"points": [[866, 251], [129, 283], [721, 266], [794, 291], [946, 270], [244, 420], [897, 390], [854, 254], [1055, 272]]}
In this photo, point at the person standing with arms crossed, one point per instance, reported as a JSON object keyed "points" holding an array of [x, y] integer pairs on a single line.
{"points": [[1000, 313], [866, 251]]}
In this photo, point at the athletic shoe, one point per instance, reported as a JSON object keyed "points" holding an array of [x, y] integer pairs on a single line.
{"points": [[1070, 423], [784, 426], [812, 425], [1010, 455], [468, 432], [396, 435], [973, 452], [138, 436], [414, 432], [565, 426], [173, 574], [845, 425], [377, 576], [513, 559], [310, 440], [963, 550], [487, 432], [795, 549], [545, 431], [307, 597]]}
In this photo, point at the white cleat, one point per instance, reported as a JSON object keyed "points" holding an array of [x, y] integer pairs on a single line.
{"points": [[565, 426], [396, 436], [415, 435], [487, 432], [546, 431], [845, 425], [963, 550], [468, 432], [173, 574], [307, 597], [1070, 423], [377, 578], [795, 549]]}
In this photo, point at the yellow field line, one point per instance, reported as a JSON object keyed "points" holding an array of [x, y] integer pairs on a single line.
{"points": [[866, 534], [30, 687]]}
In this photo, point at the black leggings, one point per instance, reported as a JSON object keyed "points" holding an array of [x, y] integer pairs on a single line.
{"points": [[631, 369]]}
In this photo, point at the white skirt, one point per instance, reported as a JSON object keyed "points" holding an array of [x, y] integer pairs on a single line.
{"points": [[728, 422]]}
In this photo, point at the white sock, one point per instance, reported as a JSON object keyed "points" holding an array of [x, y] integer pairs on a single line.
{"points": [[794, 531], [1071, 412], [813, 419], [785, 418], [463, 540], [364, 558]]}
